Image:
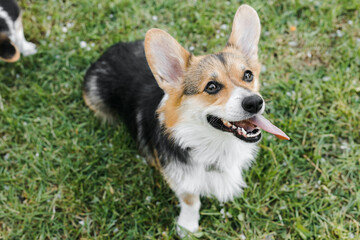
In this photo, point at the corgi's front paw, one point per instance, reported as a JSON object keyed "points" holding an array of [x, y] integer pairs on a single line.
{"points": [[28, 49], [184, 227]]}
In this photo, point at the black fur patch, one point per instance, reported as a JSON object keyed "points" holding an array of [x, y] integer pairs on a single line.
{"points": [[221, 57], [128, 88], [3, 26], [11, 7], [7, 50]]}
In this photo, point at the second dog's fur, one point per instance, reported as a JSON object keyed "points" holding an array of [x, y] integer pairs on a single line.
{"points": [[12, 39]]}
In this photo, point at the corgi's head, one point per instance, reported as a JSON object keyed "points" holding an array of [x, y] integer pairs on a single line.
{"points": [[216, 92]]}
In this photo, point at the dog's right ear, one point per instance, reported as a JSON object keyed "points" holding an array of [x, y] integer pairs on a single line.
{"points": [[8, 51], [167, 59], [245, 32]]}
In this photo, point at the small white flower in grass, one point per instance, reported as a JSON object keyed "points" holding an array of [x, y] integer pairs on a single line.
{"points": [[47, 34], [322, 160], [154, 18], [357, 40], [339, 33], [222, 211], [148, 199], [242, 237], [25, 123], [228, 215], [345, 146], [191, 48], [350, 22], [82, 222], [17, 75], [326, 78], [111, 16], [241, 217], [83, 44], [309, 54], [351, 235], [263, 68], [224, 27], [116, 230], [37, 154], [284, 164], [92, 44], [48, 17], [293, 44], [88, 48], [6, 188], [64, 29], [70, 24]]}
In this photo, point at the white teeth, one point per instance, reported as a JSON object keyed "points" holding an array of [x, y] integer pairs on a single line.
{"points": [[243, 131]]}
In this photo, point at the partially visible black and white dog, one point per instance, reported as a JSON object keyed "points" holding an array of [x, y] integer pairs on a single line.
{"points": [[12, 39]]}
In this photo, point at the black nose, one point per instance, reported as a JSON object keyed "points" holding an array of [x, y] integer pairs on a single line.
{"points": [[252, 104]]}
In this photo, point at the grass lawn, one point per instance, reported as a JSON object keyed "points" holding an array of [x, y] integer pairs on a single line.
{"points": [[65, 175]]}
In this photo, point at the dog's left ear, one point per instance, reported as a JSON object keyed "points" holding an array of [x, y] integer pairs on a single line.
{"points": [[245, 32], [167, 59]]}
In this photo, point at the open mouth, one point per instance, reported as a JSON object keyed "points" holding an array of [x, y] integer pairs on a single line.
{"points": [[244, 130], [247, 130]]}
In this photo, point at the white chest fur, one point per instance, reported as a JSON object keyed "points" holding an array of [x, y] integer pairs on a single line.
{"points": [[216, 163]]}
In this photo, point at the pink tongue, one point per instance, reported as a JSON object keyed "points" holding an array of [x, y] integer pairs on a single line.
{"points": [[266, 125]]}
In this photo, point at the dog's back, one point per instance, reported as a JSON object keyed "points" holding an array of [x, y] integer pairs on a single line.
{"points": [[119, 83]]}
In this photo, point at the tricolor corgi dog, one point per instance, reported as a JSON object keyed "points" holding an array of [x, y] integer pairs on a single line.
{"points": [[196, 118], [12, 39]]}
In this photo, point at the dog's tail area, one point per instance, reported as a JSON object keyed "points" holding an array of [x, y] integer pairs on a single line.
{"points": [[94, 97]]}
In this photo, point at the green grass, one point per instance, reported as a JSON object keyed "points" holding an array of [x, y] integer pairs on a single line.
{"points": [[64, 175]]}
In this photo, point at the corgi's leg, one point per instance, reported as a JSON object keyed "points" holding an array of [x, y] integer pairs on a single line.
{"points": [[189, 213], [25, 47]]}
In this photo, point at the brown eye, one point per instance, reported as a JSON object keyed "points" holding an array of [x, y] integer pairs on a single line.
{"points": [[213, 87], [248, 76]]}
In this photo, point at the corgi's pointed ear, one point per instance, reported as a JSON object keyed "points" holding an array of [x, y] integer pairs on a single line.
{"points": [[246, 30], [166, 57]]}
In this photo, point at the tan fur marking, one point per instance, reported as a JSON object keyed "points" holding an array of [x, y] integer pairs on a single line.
{"points": [[189, 199], [156, 161], [98, 110], [171, 107], [88, 102]]}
